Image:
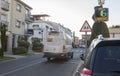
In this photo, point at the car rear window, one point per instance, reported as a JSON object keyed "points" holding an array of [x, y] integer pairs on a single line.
{"points": [[107, 58]]}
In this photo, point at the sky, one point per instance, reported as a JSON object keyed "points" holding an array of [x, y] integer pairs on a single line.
{"points": [[73, 13]]}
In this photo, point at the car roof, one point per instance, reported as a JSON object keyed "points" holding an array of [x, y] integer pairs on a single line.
{"points": [[99, 40]]}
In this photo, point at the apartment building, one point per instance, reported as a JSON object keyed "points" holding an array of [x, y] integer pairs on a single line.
{"points": [[17, 15], [4, 9], [114, 32], [20, 19]]}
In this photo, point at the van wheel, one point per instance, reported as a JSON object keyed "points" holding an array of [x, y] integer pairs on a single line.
{"points": [[48, 58], [71, 55], [67, 57]]}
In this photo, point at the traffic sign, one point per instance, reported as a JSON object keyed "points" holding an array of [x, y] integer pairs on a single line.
{"points": [[101, 14], [86, 27]]}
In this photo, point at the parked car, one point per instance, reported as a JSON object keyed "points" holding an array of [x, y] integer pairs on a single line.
{"points": [[82, 46], [103, 58]]}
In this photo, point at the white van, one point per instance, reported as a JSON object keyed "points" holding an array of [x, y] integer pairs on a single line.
{"points": [[57, 45]]}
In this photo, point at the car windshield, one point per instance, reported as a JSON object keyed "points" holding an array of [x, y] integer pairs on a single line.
{"points": [[107, 59]]}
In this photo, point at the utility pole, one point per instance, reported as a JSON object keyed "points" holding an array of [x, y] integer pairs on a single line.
{"points": [[101, 2]]}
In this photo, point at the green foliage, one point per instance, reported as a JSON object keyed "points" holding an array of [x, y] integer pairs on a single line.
{"points": [[3, 38], [115, 26], [22, 41], [36, 45], [6, 58], [73, 45], [97, 29], [23, 44], [19, 50]]}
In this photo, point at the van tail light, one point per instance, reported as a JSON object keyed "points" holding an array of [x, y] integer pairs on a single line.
{"points": [[86, 72]]}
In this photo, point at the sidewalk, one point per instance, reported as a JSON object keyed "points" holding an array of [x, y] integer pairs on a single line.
{"points": [[21, 56], [15, 56]]}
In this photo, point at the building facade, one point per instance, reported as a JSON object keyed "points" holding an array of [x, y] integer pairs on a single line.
{"points": [[17, 15], [41, 26], [114, 32]]}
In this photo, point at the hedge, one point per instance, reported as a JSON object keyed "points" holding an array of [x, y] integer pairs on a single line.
{"points": [[19, 50]]}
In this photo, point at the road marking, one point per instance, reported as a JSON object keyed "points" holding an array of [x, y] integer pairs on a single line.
{"points": [[19, 69], [76, 71]]}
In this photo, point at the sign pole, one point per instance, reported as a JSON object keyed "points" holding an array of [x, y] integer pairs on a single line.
{"points": [[85, 43], [85, 28]]}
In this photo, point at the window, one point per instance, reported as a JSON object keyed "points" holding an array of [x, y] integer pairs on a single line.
{"points": [[47, 27], [110, 58], [18, 8], [30, 31], [3, 17], [27, 13], [51, 29], [18, 23]]}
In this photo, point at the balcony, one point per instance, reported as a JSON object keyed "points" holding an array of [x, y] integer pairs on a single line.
{"points": [[28, 32], [28, 18], [5, 5], [4, 23]]}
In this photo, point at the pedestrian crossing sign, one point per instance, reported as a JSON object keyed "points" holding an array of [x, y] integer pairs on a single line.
{"points": [[86, 27]]}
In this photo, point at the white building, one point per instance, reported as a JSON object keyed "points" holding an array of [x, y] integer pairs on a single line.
{"points": [[37, 30], [114, 32], [40, 26]]}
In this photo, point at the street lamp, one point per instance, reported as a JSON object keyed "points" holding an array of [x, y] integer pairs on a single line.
{"points": [[101, 2]]}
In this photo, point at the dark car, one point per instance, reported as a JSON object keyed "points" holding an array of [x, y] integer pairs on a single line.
{"points": [[102, 58]]}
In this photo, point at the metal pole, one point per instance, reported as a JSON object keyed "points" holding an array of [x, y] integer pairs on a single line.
{"points": [[101, 2], [85, 43]]}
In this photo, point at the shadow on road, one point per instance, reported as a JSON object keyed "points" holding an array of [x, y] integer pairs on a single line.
{"points": [[57, 60]]}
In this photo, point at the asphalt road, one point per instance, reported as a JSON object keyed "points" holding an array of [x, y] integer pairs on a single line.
{"points": [[36, 65]]}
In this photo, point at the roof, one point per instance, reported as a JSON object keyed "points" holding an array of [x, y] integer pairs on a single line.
{"points": [[114, 30], [24, 4], [41, 15], [98, 40]]}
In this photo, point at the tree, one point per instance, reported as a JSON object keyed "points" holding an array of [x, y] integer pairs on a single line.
{"points": [[3, 38], [99, 28], [115, 26]]}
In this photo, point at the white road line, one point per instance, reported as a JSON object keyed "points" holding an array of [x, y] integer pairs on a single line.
{"points": [[74, 74], [19, 69]]}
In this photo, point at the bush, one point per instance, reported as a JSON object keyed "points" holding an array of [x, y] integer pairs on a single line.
{"points": [[23, 44], [36, 44], [97, 29], [22, 41], [37, 47], [19, 50]]}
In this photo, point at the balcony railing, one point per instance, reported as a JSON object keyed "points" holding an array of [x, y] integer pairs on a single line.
{"points": [[5, 5], [28, 18]]}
